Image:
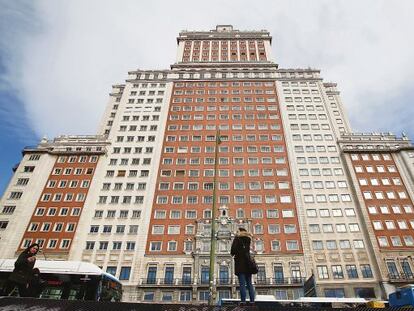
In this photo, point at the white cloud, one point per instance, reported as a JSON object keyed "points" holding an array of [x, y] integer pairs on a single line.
{"points": [[78, 49]]}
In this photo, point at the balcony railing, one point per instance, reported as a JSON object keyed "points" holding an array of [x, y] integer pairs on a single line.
{"points": [[224, 281], [166, 282], [279, 281], [185, 281], [401, 277], [258, 281]]}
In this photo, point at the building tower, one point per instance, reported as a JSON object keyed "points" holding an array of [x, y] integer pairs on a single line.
{"points": [[323, 203], [224, 86]]}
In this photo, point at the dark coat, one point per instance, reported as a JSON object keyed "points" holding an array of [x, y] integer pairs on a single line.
{"points": [[36, 284], [240, 249], [23, 269]]}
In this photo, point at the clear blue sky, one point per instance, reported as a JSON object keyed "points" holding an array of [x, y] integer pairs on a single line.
{"points": [[11, 141]]}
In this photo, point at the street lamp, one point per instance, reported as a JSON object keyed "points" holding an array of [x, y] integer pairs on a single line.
{"points": [[212, 287]]}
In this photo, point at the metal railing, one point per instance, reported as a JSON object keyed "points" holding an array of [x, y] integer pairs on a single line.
{"points": [[401, 277], [230, 281], [297, 281], [166, 281]]}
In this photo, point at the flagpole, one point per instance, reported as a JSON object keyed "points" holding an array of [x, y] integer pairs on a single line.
{"points": [[212, 288]]}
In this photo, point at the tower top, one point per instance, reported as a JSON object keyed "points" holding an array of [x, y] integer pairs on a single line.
{"points": [[225, 32], [224, 44], [220, 28]]}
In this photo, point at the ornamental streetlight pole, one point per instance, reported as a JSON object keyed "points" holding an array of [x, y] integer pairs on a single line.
{"points": [[212, 285]]}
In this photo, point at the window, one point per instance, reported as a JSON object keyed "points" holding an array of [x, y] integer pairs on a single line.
{"points": [[111, 270], [288, 213], [52, 243], [3, 225], [349, 212], [337, 272], [317, 245], [90, 245], [331, 244], [203, 295], [390, 224], [157, 229], [155, 246], [258, 246], [314, 228], [173, 229], [354, 227], [367, 195], [285, 199], [366, 271], [8, 209], [28, 169], [384, 209], [257, 213], [359, 244], [324, 213], [125, 273], [292, 245], [377, 225], [402, 224], [16, 195], [288, 229], [351, 271], [103, 245], [408, 240], [344, 244], [396, 241], [322, 272], [335, 292], [64, 243], [22, 181]]}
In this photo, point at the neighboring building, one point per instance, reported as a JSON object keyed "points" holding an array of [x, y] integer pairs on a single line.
{"points": [[280, 149], [382, 170], [47, 194], [116, 224]]}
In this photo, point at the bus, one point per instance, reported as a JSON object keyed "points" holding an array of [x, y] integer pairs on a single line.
{"points": [[73, 280]]}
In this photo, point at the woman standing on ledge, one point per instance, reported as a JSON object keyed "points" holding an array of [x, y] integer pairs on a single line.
{"points": [[23, 272], [240, 250]]}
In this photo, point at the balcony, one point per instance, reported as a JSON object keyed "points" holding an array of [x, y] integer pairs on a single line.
{"points": [[279, 282], [155, 282], [189, 282], [185, 281], [224, 281], [401, 277]]}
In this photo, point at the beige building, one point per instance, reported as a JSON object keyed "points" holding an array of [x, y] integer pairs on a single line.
{"points": [[286, 167]]}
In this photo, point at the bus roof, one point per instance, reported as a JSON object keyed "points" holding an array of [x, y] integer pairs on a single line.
{"points": [[305, 300], [57, 266], [332, 299]]}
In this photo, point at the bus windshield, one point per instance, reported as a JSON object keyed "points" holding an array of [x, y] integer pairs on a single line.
{"points": [[70, 286]]}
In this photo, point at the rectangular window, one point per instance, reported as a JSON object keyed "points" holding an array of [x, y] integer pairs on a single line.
{"points": [[366, 271], [125, 273], [322, 272], [337, 272], [351, 271]]}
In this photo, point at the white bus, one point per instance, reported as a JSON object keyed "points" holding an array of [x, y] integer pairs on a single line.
{"points": [[73, 280], [308, 302]]}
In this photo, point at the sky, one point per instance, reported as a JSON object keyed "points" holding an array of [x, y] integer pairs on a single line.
{"points": [[59, 59]]}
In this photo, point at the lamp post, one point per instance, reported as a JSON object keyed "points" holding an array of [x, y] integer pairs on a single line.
{"points": [[212, 286]]}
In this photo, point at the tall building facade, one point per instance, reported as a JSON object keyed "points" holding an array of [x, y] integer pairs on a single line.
{"points": [[270, 149]]}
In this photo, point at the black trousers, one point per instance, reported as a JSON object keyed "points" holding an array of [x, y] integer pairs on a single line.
{"points": [[10, 285]]}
